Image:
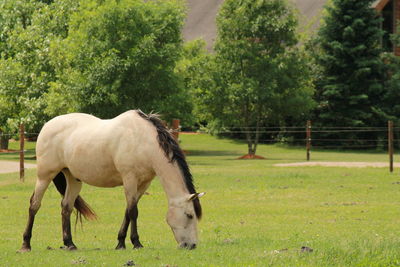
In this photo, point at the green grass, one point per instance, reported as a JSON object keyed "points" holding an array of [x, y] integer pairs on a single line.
{"points": [[255, 214], [14, 156]]}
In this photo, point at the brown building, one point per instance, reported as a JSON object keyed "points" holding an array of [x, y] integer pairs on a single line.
{"points": [[390, 12]]}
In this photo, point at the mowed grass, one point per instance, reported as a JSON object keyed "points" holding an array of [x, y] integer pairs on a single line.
{"points": [[14, 147], [255, 214]]}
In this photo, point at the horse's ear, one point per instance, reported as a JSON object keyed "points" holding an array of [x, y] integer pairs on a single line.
{"points": [[196, 195]]}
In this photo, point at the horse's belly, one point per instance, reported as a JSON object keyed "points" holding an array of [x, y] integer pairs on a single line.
{"points": [[110, 182], [96, 175]]}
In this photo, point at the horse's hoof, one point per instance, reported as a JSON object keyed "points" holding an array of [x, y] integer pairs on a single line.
{"points": [[23, 250], [70, 248], [120, 247], [137, 246]]}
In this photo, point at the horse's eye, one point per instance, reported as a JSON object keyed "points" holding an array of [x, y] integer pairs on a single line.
{"points": [[190, 216]]}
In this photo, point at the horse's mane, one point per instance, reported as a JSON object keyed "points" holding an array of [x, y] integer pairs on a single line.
{"points": [[174, 153]]}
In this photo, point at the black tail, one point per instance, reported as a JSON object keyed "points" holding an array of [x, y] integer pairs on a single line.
{"points": [[81, 206]]}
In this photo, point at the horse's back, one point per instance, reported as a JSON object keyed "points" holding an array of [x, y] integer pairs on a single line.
{"points": [[94, 150], [55, 130]]}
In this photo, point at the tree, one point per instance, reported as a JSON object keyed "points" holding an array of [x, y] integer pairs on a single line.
{"points": [[260, 75], [119, 55], [195, 69], [351, 85], [27, 28]]}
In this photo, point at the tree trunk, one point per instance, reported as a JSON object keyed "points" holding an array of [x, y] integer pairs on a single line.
{"points": [[257, 135], [249, 142], [3, 141]]}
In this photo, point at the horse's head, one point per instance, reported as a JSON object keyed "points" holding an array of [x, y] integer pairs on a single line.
{"points": [[182, 219]]}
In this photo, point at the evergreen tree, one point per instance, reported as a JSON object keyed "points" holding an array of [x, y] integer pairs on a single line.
{"points": [[351, 84]]}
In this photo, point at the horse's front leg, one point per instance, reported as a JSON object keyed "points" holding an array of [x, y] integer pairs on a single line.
{"points": [[130, 216], [122, 231]]}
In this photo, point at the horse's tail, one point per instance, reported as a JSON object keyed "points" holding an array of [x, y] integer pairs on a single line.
{"points": [[81, 206]]}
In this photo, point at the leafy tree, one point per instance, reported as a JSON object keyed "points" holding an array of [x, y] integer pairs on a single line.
{"points": [[119, 55], [15, 17], [351, 85], [11, 88], [27, 28], [260, 75], [195, 69]]}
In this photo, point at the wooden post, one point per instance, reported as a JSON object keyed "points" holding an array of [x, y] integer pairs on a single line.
{"points": [[21, 152], [308, 139], [175, 128], [390, 144]]}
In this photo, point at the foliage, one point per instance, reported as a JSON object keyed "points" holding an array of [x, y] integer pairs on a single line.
{"points": [[260, 75], [118, 55], [255, 214], [100, 57], [350, 88], [27, 28], [195, 70]]}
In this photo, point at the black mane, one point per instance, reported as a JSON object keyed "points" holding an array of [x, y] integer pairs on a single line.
{"points": [[174, 153]]}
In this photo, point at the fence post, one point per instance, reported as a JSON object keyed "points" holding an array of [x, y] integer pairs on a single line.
{"points": [[308, 139], [175, 128], [390, 144], [21, 152]]}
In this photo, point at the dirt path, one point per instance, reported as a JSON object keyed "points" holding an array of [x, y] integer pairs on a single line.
{"points": [[338, 164], [13, 166]]}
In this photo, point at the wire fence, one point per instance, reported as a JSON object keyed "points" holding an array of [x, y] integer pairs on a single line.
{"points": [[322, 137], [283, 135], [319, 137]]}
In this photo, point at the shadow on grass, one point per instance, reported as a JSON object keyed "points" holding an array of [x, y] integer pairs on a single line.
{"points": [[321, 149], [212, 153], [14, 156]]}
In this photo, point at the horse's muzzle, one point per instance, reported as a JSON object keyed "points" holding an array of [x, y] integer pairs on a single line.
{"points": [[188, 246]]}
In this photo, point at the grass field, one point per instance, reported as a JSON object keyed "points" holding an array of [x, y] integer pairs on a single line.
{"points": [[255, 214]]}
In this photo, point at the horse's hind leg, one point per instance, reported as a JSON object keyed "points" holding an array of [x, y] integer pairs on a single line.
{"points": [[67, 204], [35, 202], [133, 213]]}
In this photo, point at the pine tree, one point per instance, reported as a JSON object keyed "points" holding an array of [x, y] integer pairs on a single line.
{"points": [[351, 83]]}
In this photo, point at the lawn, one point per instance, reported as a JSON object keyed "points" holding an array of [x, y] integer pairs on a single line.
{"points": [[255, 214], [15, 146]]}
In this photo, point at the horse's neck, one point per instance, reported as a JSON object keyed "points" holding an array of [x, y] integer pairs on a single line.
{"points": [[171, 179]]}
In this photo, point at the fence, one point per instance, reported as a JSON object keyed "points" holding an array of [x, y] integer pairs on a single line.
{"points": [[390, 138], [310, 136], [308, 131]]}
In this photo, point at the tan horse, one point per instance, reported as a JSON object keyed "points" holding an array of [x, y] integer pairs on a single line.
{"points": [[128, 150]]}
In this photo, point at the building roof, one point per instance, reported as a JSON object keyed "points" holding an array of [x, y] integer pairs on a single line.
{"points": [[200, 22], [379, 4]]}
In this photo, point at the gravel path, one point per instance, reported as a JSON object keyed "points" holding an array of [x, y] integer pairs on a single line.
{"points": [[13, 166], [338, 164]]}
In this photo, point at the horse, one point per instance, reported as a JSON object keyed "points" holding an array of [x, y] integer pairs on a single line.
{"points": [[128, 150]]}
